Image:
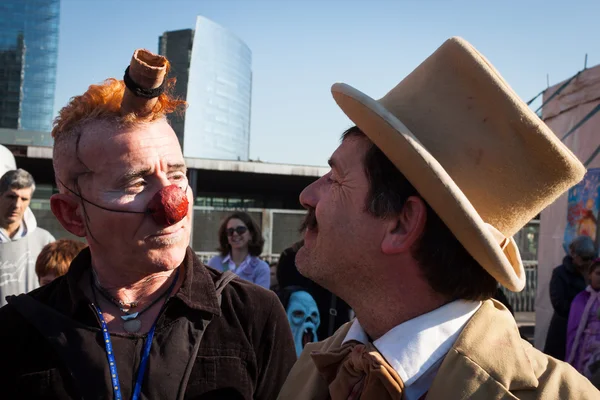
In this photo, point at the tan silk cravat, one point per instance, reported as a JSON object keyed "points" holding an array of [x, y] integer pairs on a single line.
{"points": [[357, 371]]}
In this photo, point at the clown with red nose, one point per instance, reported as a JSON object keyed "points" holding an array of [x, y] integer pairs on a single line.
{"points": [[138, 315]]}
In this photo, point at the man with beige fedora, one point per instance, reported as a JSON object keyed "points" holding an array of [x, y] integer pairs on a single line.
{"points": [[413, 228]]}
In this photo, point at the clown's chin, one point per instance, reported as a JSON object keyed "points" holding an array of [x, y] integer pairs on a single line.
{"points": [[307, 336]]}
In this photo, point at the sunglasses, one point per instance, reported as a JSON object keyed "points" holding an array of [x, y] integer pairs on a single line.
{"points": [[240, 230]]}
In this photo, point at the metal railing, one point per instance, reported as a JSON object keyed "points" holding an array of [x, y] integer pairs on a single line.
{"points": [[524, 301], [280, 229], [204, 256]]}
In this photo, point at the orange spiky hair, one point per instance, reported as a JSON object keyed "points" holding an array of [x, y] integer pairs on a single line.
{"points": [[114, 100]]}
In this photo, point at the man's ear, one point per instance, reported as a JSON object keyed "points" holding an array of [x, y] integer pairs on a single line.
{"points": [[65, 209], [406, 228]]}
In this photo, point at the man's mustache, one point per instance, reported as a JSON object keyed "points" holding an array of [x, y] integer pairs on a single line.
{"points": [[310, 221]]}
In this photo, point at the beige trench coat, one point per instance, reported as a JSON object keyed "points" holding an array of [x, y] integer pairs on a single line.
{"points": [[489, 360]]}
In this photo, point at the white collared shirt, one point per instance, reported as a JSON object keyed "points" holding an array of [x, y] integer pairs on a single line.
{"points": [[416, 348]]}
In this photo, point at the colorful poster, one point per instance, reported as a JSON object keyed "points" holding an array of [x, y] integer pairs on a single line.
{"points": [[583, 209]]}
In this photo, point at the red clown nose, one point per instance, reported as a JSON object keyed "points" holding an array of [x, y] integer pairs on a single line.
{"points": [[169, 205]]}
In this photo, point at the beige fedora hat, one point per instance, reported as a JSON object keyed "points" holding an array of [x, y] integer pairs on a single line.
{"points": [[476, 153]]}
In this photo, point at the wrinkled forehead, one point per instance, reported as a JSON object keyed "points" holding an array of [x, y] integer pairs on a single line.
{"points": [[109, 150], [350, 153], [13, 191], [23, 192]]}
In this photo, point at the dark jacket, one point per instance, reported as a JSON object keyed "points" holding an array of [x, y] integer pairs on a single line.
{"points": [[565, 284], [246, 351], [288, 275]]}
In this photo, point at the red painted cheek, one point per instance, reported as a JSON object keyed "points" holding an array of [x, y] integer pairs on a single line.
{"points": [[169, 205]]}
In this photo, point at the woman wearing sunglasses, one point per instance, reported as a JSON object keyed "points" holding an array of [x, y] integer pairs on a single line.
{"points": [[240, 244]]}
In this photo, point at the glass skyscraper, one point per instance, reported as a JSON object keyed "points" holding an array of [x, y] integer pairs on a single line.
{"points": [[219, 92], [177, 47], [28, 58]]}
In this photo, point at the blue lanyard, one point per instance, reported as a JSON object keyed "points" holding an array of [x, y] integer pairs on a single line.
{"points": [[113, 365], [114, 376]]}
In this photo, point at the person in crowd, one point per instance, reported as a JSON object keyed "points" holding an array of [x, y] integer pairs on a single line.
{"points": [[412, 226], [137, 315], [7, 160], [273, 273], [55, 258], [21, 240], [568, 280], [240, 245], [333, 311], [583, 330], [303, 315]]}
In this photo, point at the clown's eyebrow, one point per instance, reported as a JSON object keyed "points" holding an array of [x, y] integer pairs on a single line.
{"points": [[134, 174], [177, 167], [142, 172]]}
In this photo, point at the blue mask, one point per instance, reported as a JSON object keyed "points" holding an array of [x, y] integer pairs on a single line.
{"points": [[303, 315]]}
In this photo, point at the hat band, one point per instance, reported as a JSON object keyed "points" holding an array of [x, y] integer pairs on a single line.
{"points": [[139, 91]]}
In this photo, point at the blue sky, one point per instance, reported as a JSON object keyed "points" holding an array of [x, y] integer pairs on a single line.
{"points": [[300, 48]]}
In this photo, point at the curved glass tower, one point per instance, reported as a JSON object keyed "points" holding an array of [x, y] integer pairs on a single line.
{"points": [[28, 57], [219, 91]]}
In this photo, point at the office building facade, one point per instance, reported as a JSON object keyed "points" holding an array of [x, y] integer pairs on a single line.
{"points": [[177, 47], [28, 59], [219, 90]]}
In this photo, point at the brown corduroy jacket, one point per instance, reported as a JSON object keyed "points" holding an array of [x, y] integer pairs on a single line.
{"points": [[489, 360], [246, 351]]}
